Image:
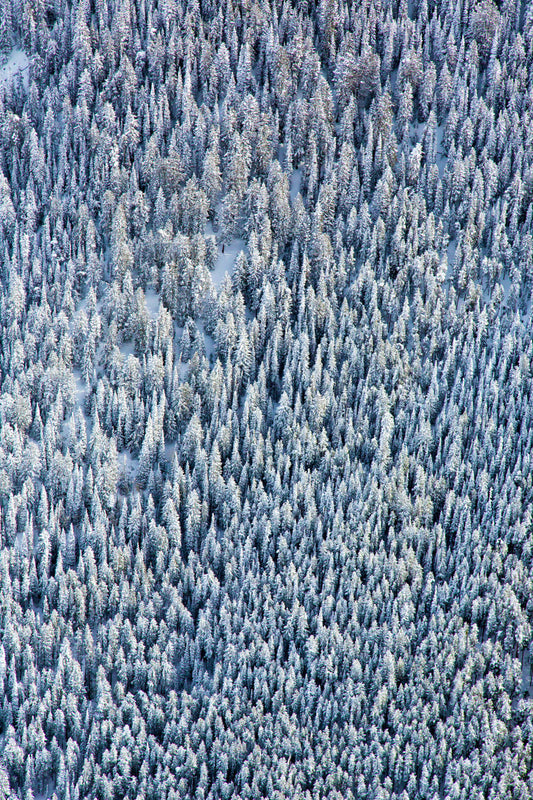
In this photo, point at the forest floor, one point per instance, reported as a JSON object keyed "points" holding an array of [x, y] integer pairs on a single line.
{"points": [[17, 64]]}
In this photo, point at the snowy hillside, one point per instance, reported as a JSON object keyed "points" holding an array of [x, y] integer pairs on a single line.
{"points": [[266, 386]]}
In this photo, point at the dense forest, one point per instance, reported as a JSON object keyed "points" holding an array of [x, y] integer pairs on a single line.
{"points": [[266, 399]]}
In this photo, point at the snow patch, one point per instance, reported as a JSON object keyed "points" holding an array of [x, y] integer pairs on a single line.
{"points": [[38, 611], [527, 684], [127, 461], [452, 247], [227, 253], [17, 65], [127, 349], [442, 158], [46, 794], [183, 371], [151, 298], [505, 281], [80, 399], [296, 183], [128, 469], [416, 131], [209, 344], [81, 389], [170, 449], [226, 261]]}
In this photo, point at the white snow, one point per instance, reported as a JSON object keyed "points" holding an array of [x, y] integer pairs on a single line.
{"points": [[81, 389], [38, 611], [226, 259], [442, 158], [128, 464], [416, 130], [151, 298], [170, 449], [127, 349], [17, 64], [505, 281], [527, 686], [208, 342], [183, 370], [452, 247], [46, 794], [296, 182]]}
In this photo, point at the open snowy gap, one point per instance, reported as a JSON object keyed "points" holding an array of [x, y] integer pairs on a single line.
{"points": [[416, 132], [226, 260], [127, 349], [81, 389], [450, 254], [442, 158], [527, 687], [227, 254], [170, 449], [38, 611], [506, 283], [46, 794], [296, 183], [224, 265], [17, 64], [152, 300], [209, 344], [183, 370], [128, 465]]}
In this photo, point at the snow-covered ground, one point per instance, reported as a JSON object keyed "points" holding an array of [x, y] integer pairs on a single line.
{"points": [[226, 261], [170, 449], [506, 283], [17, 64], [296, 182], [527, 686], [208, 342], [452, 247], [152, 300], [81, 390], [127, 349], [442, 158], [226, 258], [416, 131], [128, 466]]}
